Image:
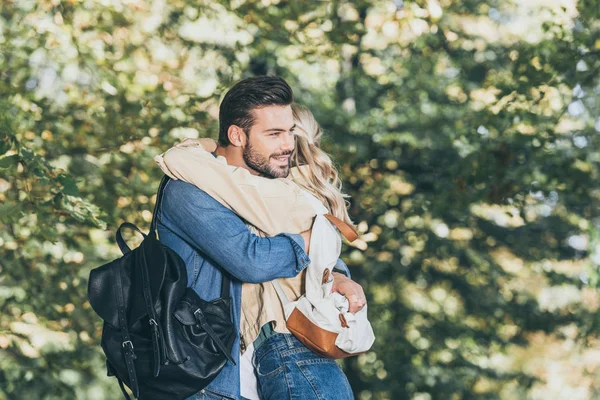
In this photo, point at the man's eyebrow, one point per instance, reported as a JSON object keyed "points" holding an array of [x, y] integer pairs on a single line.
{"points": [[280, 129]]}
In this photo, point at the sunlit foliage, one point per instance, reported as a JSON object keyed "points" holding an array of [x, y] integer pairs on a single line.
{"points": [[467, 133]]}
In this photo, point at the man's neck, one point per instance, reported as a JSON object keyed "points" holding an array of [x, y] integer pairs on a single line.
{"points": [[234, 156]]}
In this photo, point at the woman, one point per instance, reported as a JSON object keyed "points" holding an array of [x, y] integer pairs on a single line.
{"points": [[314, 188]]}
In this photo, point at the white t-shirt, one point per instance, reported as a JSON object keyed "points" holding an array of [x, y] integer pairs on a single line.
{"points": [[248, 381]]}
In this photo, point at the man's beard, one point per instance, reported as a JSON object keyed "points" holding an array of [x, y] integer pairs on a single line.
{"points": [[260, 164]]}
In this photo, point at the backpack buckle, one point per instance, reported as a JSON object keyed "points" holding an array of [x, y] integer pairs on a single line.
{"points": [[128, 346], [199, 316]]}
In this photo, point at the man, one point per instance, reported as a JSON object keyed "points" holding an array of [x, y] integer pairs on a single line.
{"points": [[255, 133]]}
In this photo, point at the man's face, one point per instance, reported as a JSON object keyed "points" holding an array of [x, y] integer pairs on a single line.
{"points": [[271, 141]]}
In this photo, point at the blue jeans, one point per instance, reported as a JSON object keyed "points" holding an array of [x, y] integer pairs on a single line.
{"points": [[286, 369]]}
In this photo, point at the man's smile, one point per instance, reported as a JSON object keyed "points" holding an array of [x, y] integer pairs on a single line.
{"points": [[282, 160]]}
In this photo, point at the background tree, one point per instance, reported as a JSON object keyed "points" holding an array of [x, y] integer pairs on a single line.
{"points": [[467, 133]]}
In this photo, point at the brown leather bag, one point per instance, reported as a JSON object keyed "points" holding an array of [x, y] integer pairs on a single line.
{"points": [[319, 339]]}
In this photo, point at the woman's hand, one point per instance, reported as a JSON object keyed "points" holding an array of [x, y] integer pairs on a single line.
{"points": [[352, 290]]}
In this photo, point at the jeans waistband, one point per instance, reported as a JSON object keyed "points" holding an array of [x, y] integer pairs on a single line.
{"points": [[266, 331], [280, 341]]}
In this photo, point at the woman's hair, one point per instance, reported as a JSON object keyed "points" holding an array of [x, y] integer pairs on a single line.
{"points": [[320, 178]]}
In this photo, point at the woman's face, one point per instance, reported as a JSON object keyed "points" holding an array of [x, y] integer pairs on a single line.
{"points": [[271, 141]]}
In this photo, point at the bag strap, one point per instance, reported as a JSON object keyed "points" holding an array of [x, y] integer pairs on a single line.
{"points": [[127, 344], [159, 197], [225, 285], [345, 229], [110, 371], [201, 319], [280, 293], [152, 318], [121, 242], [123, 388], [157, 349]]}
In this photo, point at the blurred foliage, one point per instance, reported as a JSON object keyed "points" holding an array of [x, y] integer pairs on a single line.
{"points": [[467, 133]]}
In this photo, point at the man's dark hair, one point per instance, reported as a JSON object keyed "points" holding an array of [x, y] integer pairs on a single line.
{"points": [[247, 95]]}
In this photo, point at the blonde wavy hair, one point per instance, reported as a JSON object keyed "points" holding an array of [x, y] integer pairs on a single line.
{"points": [[321, 177]]}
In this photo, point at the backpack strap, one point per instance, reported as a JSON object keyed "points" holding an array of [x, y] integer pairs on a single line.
{"points": [[157, 349], [121, 242], [225, 284], [110, 371], [201, 319], [123, 388], [127, 344], [159, 197]]}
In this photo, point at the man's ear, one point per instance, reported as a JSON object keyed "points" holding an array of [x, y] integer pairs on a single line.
{"points": [[237, 136]]}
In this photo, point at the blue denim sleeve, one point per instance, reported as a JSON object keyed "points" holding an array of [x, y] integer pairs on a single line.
{"points": [[217, 232], [341, 267]]}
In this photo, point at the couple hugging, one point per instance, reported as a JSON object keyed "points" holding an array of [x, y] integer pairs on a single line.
{"points": [[261, 206]]}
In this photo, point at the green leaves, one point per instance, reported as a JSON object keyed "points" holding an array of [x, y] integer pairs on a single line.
{"points": [[82, 211], [9, 161], [69, 187], [466, 133]]}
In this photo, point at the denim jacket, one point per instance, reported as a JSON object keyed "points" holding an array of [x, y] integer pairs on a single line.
{"points": [[211, 239]]}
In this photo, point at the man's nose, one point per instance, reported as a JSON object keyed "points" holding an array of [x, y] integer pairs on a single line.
{"points": [[289, 142]]}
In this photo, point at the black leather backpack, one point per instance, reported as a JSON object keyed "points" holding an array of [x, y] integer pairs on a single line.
{"points": [[160, 338]]}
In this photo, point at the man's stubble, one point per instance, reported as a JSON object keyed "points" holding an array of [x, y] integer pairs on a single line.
{"points": [[258, 163]]}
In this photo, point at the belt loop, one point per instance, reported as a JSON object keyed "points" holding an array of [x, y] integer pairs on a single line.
{"points": [[288, 340]]}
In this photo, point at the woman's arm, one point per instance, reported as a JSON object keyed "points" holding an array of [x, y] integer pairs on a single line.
{"points": [[272, 205]]}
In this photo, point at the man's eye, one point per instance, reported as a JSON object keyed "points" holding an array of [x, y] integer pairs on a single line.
{"points": [[274, 134]]}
